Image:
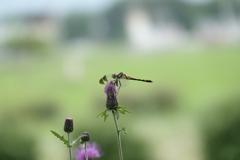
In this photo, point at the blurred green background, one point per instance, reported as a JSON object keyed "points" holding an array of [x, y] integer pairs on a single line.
{"points": [[52, 56]]}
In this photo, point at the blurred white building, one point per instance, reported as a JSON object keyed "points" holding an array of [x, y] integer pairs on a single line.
{"points": [[40, 26], [213, 32], [143, 34]]}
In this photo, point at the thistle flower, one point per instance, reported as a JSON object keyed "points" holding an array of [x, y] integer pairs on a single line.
{"points": [[111, 93], [85, 138], [68, 125], [92, 151]]}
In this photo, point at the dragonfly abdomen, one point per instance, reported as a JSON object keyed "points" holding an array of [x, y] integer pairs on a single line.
{"points": [[137, 79]]}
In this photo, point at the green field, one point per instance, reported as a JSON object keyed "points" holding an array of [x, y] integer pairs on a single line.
{"points": [[195, 72], [41, 92]]}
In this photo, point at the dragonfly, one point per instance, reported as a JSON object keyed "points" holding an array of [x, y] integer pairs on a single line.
{"points": [[120, 79]]}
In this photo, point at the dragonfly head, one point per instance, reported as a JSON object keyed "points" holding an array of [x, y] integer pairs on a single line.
{"points": [[114, 75]]}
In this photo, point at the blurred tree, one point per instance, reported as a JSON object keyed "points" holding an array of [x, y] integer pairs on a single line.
{"points": [[76, 25], [26, 44], [187, 14], [16, 143], [222, 130], [115, 19]]}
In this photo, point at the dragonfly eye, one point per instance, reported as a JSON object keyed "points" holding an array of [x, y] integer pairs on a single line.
{"points": [[114, 76]]}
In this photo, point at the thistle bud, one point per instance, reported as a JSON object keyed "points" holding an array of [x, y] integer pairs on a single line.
{"points": [[111, 93], [86, 137], [68, 125]]}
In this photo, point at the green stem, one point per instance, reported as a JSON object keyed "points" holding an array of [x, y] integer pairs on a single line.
{"points": [[70, 148], [85, 149], [118, 137]]}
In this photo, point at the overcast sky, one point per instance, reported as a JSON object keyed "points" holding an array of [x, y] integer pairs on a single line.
{"points": [[8, 7], [11, 7]]}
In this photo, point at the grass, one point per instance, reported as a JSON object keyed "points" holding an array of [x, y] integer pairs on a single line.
{"points": [[197, 74], [29, 89]]}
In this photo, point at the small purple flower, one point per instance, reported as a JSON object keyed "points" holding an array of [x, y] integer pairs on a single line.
{"points": [[111, 93], [68, 125], [92, 150], [110, 90]]}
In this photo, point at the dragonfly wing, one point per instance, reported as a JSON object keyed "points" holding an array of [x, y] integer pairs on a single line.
{"points": [[123, 82], [109, 77], [119, 82], [101, 81]]}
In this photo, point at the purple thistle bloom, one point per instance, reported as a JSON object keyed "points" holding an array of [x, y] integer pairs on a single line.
{"points": [[111, 93], [110, 90], [92, 151]]}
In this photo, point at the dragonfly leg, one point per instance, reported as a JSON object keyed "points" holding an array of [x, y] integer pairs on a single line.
{"points": [[120, 84]]}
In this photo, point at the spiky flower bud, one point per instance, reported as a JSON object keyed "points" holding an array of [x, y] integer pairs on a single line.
{"points": [[86, 137], [68, 125], [111, 93]]}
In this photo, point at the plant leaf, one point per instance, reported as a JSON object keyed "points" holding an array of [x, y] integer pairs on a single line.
{"points": [[102, 113], [120, 111], [108, 112], [121, 107], [61, 138], [105, 117], [127, 111], [124, 129], [77, 139], [116, 114]]}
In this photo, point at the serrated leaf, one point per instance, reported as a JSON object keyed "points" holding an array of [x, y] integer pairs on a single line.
{"points": [[77, 139], [124, 129], [102, 113], [122, 107], [120, 111], [105, 117], [73, 142], [116, 114], [61, 138], [108, 112], [127, 111]]}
